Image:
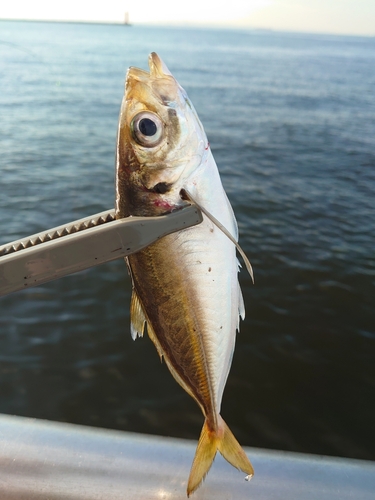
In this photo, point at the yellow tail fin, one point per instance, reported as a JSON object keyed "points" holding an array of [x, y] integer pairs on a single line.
{"points": [[208, 444]]}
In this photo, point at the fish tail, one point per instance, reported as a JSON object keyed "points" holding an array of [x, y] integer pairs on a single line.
{"points": [[209, 443]]}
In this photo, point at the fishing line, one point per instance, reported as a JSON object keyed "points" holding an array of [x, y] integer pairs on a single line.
{"points": [[37, 57], [222, 228]]}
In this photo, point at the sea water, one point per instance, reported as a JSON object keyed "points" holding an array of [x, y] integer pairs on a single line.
{"points": [[291, 122]]}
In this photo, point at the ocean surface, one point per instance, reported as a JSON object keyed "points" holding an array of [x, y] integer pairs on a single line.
{"points": [[291, 122]]}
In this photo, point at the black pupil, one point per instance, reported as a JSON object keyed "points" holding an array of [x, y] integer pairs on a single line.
{"points": [[147, 127]]}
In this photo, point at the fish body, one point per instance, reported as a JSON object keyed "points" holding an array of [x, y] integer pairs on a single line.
{"points": [[185, 286]]}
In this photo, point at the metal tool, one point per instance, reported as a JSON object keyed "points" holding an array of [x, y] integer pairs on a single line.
{"points": [[83, 244]]}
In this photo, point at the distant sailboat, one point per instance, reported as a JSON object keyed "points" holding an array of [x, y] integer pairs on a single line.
{"points": [[126, 21]]}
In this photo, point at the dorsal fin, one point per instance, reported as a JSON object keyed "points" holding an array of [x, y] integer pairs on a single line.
{"points": [[138, 323], [137, 317]]}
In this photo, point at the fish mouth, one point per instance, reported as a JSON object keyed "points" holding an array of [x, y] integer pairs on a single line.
{"points": [[158, 69], [157, 66], [137, 75], [158, 82]]}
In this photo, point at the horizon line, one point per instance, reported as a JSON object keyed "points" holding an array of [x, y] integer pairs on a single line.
{"points": [[188, 24]]}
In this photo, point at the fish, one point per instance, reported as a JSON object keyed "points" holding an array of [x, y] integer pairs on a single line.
{"points": [[185, 289]]}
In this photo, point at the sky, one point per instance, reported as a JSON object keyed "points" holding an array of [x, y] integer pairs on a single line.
{"points": [[352, 17]]}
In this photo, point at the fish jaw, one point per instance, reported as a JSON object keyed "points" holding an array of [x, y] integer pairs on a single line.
{"points": [[142, 171]]}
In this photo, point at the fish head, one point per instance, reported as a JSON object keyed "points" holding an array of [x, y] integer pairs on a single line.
{"points": [[161, 141]]}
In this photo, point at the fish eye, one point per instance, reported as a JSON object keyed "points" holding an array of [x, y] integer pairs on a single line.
{"points": [[147, 129]]}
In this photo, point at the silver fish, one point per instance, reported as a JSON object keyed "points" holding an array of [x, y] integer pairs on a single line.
{"points": [[185, 286]]}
